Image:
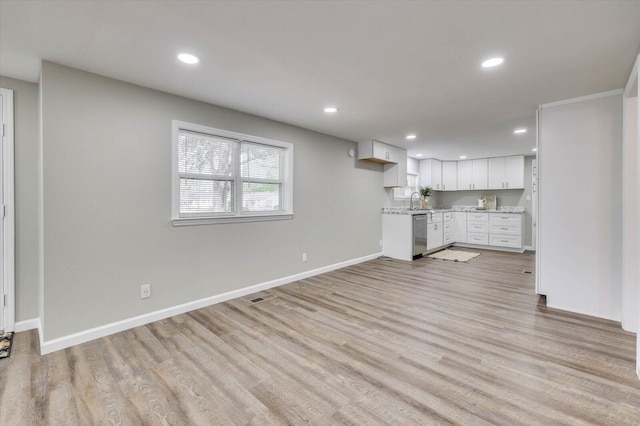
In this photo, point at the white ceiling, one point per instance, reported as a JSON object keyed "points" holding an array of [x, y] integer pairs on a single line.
{"points": [[391, 67]]}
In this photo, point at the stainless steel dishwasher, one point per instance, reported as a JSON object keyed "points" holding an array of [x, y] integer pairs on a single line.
{"points": [[419, 235]]}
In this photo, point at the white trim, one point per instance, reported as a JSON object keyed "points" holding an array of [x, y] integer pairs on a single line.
{"points": [[487, 247], [238, 215], [187, 221], [581, 312], [583, 98], [30, 324], [633, 80], [8, 200], [529, 248], [115, 327]]}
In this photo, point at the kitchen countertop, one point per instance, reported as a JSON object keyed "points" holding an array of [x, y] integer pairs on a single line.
{"points": [[442, 209]]}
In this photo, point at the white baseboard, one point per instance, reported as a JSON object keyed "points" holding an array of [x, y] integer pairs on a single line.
{"points": [[25, 325], [529, 248], [115, 327]]}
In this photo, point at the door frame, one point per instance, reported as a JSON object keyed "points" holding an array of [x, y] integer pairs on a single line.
{"points": [[7, 210]]}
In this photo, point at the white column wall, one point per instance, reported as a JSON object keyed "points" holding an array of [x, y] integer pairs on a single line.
{"points": [[580, 212]]}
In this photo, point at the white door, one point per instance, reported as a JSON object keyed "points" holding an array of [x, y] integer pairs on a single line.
{"points": [[449, 175], [2, 232], [6, 212], [480, 173]]}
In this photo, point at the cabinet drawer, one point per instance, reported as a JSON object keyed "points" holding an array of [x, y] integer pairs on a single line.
{"points": [[448, 237], [477, 227], [505, 219], [435, 218], [447, 216], [499, 240], [478, 217], [447, 226], [505, 229], [477, 238]]}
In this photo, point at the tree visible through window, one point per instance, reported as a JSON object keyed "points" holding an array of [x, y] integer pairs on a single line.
{"points": [[225, 176]]}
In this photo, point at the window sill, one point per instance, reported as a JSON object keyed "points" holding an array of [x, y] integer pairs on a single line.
{"points": [[190, 221]]}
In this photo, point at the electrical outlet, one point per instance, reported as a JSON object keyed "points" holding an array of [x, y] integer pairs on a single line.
{"points": [[304, 257], [380, 243], [145, 291]]}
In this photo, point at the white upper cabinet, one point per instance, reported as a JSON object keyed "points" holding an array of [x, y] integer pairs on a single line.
{"points": [[395, 175], [515, 172], [449, 175], [506, 172], [465, 174], [431, 174], [480, 173], [497, 173], [473, 174], [379, 152]]}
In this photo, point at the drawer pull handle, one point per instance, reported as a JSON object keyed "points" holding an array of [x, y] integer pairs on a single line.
{"points": [[505, 229]]}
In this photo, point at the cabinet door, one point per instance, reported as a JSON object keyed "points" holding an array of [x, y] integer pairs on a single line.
{"points": [[395, 175], [480, 173], [436, 174], [431, 174], [449, 175], [394, 154], [460, 227], [497, 177], [434, 235], [514, 171], [465, 174]]}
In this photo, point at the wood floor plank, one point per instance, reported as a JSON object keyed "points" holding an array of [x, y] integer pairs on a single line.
{"points": [[428, 342]]}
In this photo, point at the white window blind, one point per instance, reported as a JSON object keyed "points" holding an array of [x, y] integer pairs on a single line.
{"points": [[222, 176], [207, 181], [406, 191], [261, 177]]}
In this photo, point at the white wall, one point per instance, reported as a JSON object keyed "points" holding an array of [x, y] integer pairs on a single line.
{"points": [[107, 205], [25, 100], [629, 317], [580, 246]]}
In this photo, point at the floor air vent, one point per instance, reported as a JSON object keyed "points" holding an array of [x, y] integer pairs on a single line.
{"points": [[256, 300], [527, 272]]}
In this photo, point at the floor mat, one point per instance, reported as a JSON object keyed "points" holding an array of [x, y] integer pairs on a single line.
{"points": [[5, 345], [455, 255]]}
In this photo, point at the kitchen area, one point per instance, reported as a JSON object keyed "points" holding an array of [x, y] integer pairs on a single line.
{"points": [[483, 203]]}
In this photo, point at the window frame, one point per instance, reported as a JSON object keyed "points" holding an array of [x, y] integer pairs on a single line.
{"points": [[238, 215], [397, 196]]}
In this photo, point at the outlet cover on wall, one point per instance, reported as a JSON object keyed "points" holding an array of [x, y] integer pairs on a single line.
{"points": [[304, 257], [145, 291]]}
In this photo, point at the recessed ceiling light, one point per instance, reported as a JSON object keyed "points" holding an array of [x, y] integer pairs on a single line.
{"points": [[418, 155], [492, 62], [411, 136], [331, 109], [519, 131], [188, 58], [534, 149], [462, 157]]}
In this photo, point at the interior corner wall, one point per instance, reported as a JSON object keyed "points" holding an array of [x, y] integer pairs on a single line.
{"points": [[106, 165], [25, 100], [629, 316], [580, 182]]}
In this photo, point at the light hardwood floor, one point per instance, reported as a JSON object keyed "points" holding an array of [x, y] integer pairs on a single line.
{"points": [[383, 342]]}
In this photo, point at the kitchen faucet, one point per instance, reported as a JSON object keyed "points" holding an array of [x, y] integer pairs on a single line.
{"points": [[411, 200]]}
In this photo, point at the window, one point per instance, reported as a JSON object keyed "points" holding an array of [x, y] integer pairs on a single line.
{"points": [[406, 191], [221, 176]]}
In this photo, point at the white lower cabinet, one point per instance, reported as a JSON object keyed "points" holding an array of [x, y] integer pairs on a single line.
{"points": [[447, 228], [478, 238], [460, 227], [505, 230], [435, 234], [477, 228]]}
